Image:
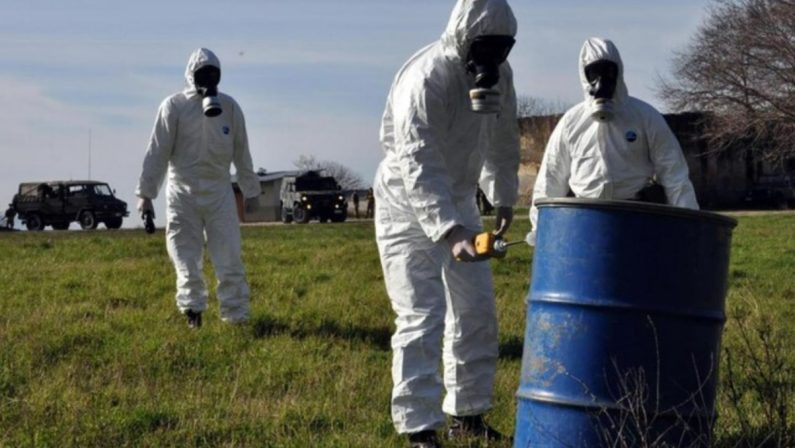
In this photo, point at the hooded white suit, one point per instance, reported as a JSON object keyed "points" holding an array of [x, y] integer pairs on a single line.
{"points": [[196, 152], [436, 151], [612, 159]]}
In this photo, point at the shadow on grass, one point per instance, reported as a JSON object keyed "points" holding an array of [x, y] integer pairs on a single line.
{"points": [[511, 349], [764, 437], [379, 338]]}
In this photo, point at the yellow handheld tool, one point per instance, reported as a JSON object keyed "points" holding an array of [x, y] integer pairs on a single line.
{"points": [[489, 245]]}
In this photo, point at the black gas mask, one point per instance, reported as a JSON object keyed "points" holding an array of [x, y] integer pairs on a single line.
{"points": [[602, 77], [206, 80], [486, 54]]}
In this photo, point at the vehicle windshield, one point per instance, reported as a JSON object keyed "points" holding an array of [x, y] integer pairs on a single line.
{"points": [[316, 183], [102, 190]]}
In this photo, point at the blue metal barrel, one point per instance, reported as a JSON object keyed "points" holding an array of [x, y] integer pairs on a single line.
{"points": [[626, 309]]}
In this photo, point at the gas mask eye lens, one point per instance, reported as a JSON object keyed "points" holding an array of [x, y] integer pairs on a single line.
{"points": [[490, 49], [602, 76], [207, 76]]}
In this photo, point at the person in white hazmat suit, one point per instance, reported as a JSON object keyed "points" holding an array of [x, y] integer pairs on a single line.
{"points": [[612, 145], [450, 122], [198, 134]]}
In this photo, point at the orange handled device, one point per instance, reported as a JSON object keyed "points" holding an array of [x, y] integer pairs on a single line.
{"points": [[490, 245]]}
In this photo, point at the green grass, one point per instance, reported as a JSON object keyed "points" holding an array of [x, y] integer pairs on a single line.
{"points": [[759, 337], [93, 352]]}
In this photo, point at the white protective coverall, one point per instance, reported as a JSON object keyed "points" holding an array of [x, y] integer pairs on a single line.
{"points": [[436, 151], [611, 159], [197, 151]]}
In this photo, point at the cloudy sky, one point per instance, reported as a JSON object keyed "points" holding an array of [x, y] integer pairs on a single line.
{"points": [[310, 75]]}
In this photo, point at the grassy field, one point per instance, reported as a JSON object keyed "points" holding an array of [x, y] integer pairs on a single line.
{"points": [[94, 354]]}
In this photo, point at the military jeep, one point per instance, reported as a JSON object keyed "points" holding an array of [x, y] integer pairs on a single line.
{"points": [[311, 195], [58, 203]]}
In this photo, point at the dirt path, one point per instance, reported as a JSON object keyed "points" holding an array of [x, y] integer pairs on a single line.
{"points": [[757, 212]]}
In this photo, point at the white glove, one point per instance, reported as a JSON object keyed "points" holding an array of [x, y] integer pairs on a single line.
{"points": [[145, 205], [530, 239], [461, 241], [504, 218]]}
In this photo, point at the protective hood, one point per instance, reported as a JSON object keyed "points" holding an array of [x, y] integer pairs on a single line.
{"points": [[472, 18], [596, 49], [200, 57]]}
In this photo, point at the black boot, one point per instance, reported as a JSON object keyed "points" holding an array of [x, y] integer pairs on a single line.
{"points": [[194, 319], [424, 439], [473, 426]]}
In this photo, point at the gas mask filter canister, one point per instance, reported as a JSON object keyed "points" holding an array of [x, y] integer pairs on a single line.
{"points": [[602, 109], [486, 54], [602, 77], [206, 80]]}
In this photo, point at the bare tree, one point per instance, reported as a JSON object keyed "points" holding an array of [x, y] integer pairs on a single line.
{"points": [[537, 120], [305, 163], [530, 106], [740, 67], [346, 178]]}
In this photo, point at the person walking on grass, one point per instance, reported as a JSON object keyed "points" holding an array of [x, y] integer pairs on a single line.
{"points": [[198, 134]]}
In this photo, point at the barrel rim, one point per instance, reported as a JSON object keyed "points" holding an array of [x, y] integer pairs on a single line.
{"points": [[535, 396], [636, 206], [542, 298]]}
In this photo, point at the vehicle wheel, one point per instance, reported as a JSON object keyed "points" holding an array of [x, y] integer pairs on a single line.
{"points": [[300, 215], [60, 225], [287, 218], [88, 221], [34, 222], [323, 219], [340, 218], [113, 223]]}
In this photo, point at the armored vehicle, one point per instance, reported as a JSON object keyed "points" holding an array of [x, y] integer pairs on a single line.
{"points": [[58, 203], [311, 195]]}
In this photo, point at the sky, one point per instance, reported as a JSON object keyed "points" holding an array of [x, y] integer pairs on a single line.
{"points": [[81, 80]]}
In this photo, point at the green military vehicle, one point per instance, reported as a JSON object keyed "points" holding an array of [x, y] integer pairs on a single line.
{"points": [[312, 196], [58, 203]]}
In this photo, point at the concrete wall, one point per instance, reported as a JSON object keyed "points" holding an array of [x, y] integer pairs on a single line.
{"points": [[269, 202], [720, 178], [268, 209], [362, 203]]}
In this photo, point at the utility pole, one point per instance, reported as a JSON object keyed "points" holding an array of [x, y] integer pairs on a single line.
{"points": [[89, 153]]}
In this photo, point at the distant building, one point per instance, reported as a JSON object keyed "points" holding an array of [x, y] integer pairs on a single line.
{"points": [[269, 203], [720, 178]]}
